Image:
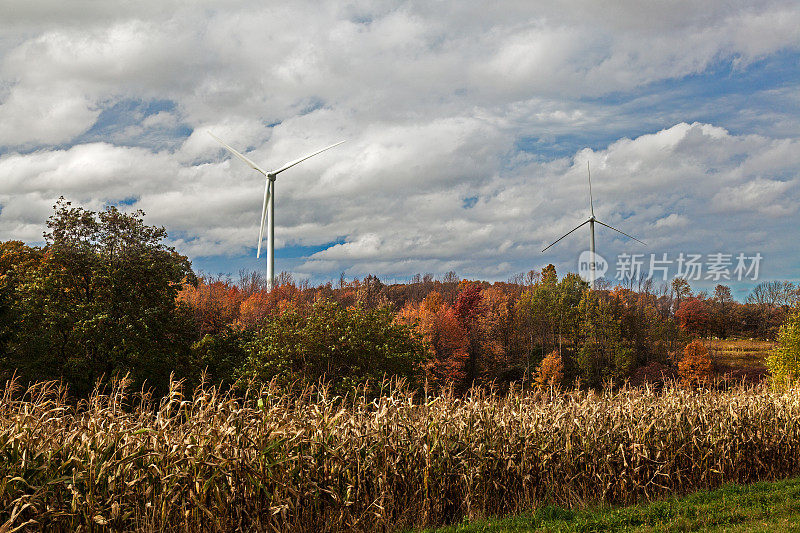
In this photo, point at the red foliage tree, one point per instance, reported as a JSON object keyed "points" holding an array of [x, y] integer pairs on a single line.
{"points": [[694, 316]]}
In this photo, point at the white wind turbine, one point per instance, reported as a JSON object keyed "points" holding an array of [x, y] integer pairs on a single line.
{"points": [[591, 220], [268, 208]]}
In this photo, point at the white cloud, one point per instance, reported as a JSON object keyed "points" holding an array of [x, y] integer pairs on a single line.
{"points": [[449, 109]]}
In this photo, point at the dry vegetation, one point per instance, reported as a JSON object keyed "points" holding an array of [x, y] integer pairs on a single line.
{"points": [[308, 462], [740, 359]]}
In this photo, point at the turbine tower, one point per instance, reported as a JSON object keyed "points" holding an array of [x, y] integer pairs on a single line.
{"points": [[591, 221], [268, 207]]}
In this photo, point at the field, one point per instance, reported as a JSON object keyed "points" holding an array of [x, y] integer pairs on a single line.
{"points": [[740, 359], [310, 462]]}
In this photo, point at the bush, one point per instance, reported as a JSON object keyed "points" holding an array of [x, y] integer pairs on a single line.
{"points": [[347, 346]]}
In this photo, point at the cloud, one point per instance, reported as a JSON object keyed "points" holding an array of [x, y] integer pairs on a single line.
{"points": [[468, 126]]}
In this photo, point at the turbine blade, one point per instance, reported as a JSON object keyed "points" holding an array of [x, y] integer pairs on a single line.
{"points": [[567, 233], [591, 200], [237, 154], [293, 163], [267, 192], [619, 231]]}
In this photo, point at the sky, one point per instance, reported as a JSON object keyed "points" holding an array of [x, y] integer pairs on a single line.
{"points": [[468, 124]]}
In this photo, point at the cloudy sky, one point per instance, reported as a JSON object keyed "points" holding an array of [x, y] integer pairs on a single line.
{"points": [[468, 129]]}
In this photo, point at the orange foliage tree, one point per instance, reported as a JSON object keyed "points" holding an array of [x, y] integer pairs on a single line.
{"points": [[550, 372], [214, 303], [447, 341], [695, 367]]}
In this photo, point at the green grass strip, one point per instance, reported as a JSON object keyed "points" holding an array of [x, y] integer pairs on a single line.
{"points": [[760, 507]]}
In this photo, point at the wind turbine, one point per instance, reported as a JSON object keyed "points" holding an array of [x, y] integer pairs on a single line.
{"points": [[591, 220], [268, 207]]}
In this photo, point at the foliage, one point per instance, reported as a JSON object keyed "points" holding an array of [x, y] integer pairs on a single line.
{"points": [[105, 296], [604, 354], [445, 338], [784, 361], [348, 346], [695, 367], [550, 373], [268, 461], [694, 315], [99, 301], [221, 357]]}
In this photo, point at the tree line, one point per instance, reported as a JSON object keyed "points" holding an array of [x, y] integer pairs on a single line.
{"points": [[105, 295]]}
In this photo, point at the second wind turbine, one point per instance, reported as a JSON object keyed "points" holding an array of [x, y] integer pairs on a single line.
{"points": [[591, 220], [268, 208]]}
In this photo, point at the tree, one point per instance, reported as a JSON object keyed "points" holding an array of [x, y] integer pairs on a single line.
{"points": [[694, 315], [784, 361], [446, 340], [550, 372], [774, 294], [772, 300], [17, 261], [603, 354], [680, 291], [469, 310], [102, 301], [722, 310], [695, 367]]}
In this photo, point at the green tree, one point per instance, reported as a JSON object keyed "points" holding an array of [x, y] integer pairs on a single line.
{"points": [[604, 353], [344, 346], [784, 361], [101, 302]]}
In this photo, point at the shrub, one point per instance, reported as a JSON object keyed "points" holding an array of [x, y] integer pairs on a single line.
{"points": [[347, 346]]}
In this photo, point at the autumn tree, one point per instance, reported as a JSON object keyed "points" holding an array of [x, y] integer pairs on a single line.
{"points": [[680, 290], [446, 339], [695, 367], [547, 316], [694, 315], [214, 302], [722, 306], [550, 372], [604, 353], [17, 262], [469, 310], [771, 301], [496, 327]]}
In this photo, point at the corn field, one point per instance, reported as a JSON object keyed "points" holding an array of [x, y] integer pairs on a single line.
{"points": [[270, 461]]}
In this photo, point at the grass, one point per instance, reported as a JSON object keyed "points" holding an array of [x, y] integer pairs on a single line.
{"points": [[760, 507]]}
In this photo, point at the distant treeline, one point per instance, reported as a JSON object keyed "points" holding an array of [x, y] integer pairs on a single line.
{"points": [[106, 296]]}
